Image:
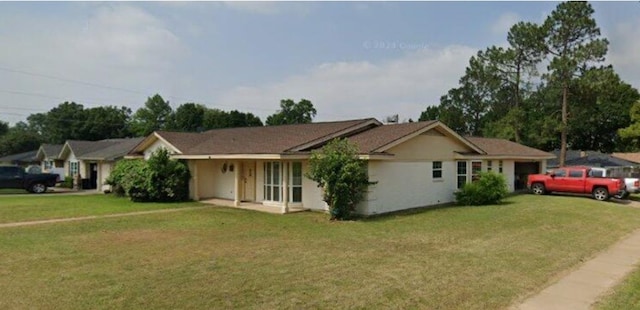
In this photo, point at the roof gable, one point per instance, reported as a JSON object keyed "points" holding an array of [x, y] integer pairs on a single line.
{"points": [[51, 151], [383, 138]]}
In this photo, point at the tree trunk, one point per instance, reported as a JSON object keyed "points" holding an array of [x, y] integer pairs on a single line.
{"points": [[563, 132], [516, 128]]}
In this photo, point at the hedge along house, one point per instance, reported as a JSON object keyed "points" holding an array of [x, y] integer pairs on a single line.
{"points": [[414, 164]]}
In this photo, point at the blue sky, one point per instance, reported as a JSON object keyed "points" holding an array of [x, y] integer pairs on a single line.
{"points": [[351, 59]]}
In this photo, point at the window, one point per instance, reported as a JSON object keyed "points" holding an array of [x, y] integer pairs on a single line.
{"points": [[272, 181], [560, 173], [48, 164], [575, 173], [476, 168], [489, 165], [500, 166], [74, 168], [462, 173], [436, 171], [295, 182]]}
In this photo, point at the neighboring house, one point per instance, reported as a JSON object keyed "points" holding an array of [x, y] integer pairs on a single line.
{"points": [[591, 158], [629, 157], [21, 159], [414, 164], [49, 161], [94, 160]]}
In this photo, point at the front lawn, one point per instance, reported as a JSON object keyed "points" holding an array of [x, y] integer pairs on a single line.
{"points": [[448, 258], [39, 207], [624, 296]]}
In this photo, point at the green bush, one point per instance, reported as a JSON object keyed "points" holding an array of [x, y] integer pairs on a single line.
{"points": [[490, 188], [160, 179], [342, 176], [67, 183], [121, 171]]}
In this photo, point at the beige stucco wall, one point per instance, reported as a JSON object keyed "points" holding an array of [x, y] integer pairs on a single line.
{"points": [[153, 147], [104, 170], [404, 185], [212, 182], [428, 146]]}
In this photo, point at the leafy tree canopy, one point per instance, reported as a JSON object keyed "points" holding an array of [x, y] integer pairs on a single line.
{"points": [[293, 113]]}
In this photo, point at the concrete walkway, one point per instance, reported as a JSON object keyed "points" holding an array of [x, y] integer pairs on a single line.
{"points": [[92, 217], [581, 288]]}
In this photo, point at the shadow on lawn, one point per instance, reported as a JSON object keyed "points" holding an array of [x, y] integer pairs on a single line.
{"points": [[419, 210]]}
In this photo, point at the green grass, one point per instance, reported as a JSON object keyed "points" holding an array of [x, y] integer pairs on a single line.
{"points": [[38, 207], [624, 296], [448, 258]]}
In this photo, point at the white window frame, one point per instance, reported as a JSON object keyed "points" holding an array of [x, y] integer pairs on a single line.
{"points": [[292, 185], [435, 169], [271, 187], [465, 175], [74, 168]]}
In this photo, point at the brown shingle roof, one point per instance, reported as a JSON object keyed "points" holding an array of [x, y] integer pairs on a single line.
{"points": [[632, 157], [380, 136], [502, 147], [260, 140]]}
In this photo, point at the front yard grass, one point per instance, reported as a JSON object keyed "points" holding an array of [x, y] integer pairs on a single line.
{"points": [[40, 207], [447, 258], [624, 296]]}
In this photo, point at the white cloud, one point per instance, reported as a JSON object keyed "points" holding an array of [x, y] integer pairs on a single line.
{"points": [[502, 25], [115, 45], [343, 90]]}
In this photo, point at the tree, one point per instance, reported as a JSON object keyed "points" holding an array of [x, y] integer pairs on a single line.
{"points": [[189, 117], [106, 122], [64, 122], [4, 128], [431, 113], [632, 132], [216, 118], [293, 113], [341, 175], [572, 39], [599, 105], [19, 139], [155, 115]]}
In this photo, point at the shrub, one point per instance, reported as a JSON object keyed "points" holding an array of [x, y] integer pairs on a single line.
{"points": [[67, 183], [342, 176], [120, 172], [490, 188], [159, 179]]}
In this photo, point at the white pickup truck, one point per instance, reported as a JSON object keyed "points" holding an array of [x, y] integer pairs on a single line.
{"points": [[633, 184]]}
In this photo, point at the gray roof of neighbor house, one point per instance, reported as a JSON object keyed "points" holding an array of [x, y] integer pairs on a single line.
{"points": [[503, 147], [117, 149], [25, 157], [108, 149], [51, 150], [589, 158], [264, 140]]}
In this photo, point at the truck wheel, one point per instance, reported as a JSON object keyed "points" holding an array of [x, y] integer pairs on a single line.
{"points": [[38, 188], [538, 189], [600, 193]]}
